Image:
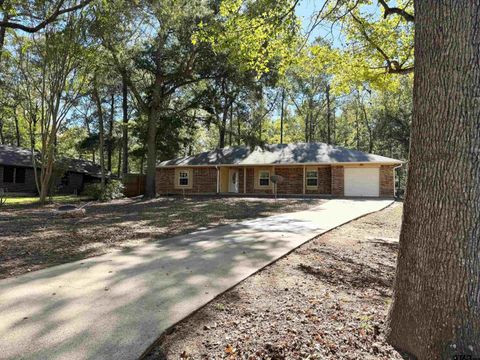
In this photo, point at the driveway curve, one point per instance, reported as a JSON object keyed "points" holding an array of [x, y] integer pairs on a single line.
{"points": [[116, 305]]}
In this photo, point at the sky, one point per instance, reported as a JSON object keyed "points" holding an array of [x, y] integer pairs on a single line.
{"points": [[308, 8]]}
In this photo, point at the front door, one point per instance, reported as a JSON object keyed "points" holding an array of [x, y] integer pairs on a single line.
{"points": [[233, 181]]}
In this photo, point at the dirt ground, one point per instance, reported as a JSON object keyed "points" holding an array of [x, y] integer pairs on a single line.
{"points": [[326, 300], [34, 237]]}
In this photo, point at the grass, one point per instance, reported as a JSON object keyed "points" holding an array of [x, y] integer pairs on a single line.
{"points": [[36, 199]]}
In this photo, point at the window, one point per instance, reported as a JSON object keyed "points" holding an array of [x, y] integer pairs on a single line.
{"points": [[264, 178], [183, 178], [8, 174], [312, 178], [19, 175]]}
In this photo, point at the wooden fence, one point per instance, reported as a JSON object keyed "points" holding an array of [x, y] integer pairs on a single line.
{"points": [[134, 185]]}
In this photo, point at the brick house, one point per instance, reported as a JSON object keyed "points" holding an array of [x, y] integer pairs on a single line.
{"points": [[17, 174], [313, 169]]}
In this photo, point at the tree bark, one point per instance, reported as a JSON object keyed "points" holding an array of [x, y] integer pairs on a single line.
{"points": [[282, 114], [153, 116], [125, 127], [223, 125], [435, 313], [17, 127], [98, 102], [230, 135], [110, 133], [239, 135], [222, 131], [3, 31], [329, 112], [119, 164], [2, 138], [307, 126], [357, 127]]}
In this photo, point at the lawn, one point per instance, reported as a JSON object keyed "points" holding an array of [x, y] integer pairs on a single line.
{"points": [[35, 237], [35, 200], [326, 300]]}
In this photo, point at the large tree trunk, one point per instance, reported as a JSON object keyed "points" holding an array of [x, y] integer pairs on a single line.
{"points": [[282, 115], [17, 127], [3, 31], [125, 128], [239, 135], [230, 134], [150, 191], [436, 309], [2, 138], [98, 102], [153, 116], [223, 125], [110, 133], [329, 115]]}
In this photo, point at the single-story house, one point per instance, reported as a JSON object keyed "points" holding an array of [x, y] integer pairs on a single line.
{"points": [[17, 174], [301, 169]]}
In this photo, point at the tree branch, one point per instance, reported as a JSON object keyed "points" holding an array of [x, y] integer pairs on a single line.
{"points": [[393, 66], [394, 10], [50, 19]]}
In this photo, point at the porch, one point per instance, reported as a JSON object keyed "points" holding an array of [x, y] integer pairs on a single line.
{"points": [[292, 180]]}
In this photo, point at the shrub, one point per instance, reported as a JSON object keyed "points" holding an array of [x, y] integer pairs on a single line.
{"points": [[113, 190]]}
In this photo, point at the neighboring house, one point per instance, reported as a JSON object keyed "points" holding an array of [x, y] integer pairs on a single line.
{"points": [[305, 168], [17, 174]]}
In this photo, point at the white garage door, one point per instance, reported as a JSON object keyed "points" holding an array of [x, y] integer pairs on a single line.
{"points": [[362, 181]]}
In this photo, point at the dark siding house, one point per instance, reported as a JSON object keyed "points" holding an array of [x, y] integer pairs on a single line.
{"points": [[17, 174]]}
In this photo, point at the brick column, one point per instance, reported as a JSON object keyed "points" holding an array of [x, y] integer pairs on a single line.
{"points": [[387, 180], [338, 181]]}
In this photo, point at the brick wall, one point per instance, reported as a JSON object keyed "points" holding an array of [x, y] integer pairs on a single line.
{"points": [[387, 181], [204, 181], [293, 180], [324, 182], [330, 181], [338, 181]]}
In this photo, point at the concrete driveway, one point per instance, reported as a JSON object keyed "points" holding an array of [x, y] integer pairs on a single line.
{"points": [[116, 305]]}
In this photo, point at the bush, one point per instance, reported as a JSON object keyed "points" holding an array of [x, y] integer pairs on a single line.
{"points": [[113, 190]]}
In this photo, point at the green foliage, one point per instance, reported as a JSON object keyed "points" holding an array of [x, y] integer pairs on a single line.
{"points": [[201, 71], [113, 190], [254, 33]]}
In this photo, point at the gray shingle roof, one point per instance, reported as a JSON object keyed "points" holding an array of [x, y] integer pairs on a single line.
{"points": [[297, 153], [17, 156]]}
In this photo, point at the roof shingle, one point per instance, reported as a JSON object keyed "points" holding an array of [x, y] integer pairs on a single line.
{"points": [[17, 156], [297, 153]]}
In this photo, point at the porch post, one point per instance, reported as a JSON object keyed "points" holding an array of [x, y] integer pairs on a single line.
{"points": [[244, 180], [274, 185], [303, 179]]}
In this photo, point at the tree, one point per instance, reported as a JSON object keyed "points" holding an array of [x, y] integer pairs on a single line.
{"points": [[33, 16], [50, 67], [124, 128], [436, 309], [101, 131]]}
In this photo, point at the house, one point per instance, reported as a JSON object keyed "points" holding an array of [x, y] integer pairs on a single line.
{"points": [[17, 174], [315, 169]]}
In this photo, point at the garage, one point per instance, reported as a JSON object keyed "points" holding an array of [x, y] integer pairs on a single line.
{"points": [[360, 181]]}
